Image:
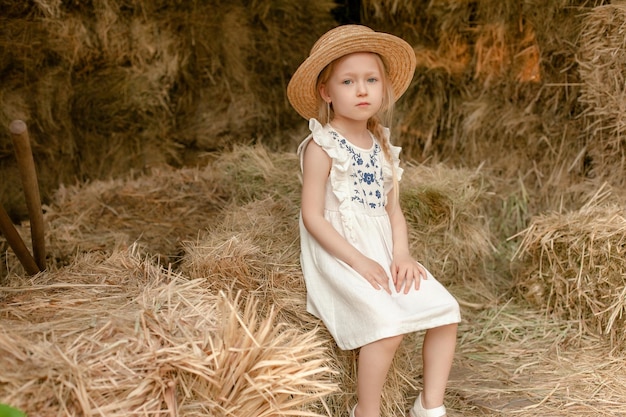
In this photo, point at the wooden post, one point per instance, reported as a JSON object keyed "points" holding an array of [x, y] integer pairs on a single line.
{"points": [[26, 165], [17, 244]]}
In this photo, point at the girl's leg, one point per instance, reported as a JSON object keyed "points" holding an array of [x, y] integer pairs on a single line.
{"points": [[437, 354], [374, 362]]}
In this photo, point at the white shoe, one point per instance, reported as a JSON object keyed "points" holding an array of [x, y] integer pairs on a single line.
{"points": [[418, 410]]}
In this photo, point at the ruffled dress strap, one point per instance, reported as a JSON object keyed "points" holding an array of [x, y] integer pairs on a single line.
{"points": [[387, 167], [340, 165], [319, 134]]}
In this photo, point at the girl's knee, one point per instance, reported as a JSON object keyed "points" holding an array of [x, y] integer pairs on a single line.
{"points": [[446, 331], [452, 327], [393, 342]]}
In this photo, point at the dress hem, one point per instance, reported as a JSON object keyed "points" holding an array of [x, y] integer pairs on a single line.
{"points": [[397, 332]]}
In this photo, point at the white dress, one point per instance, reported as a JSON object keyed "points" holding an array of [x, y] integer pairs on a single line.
{"points": [[356, 192]]}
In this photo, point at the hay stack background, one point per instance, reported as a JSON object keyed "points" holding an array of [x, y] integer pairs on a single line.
{"points": [[601, 60], [164, 144], [496, 86], [112, 86]]}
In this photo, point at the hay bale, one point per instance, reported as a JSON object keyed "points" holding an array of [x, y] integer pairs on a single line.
{"points": [[572, 265], [117, 335], [93, 89], [256, 172], [449, 230], [163, 208], [113, 86], [155, 211], [601, 60], [237, 63]]}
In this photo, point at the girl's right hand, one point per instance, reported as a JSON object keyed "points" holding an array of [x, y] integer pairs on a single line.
{"points": [[373, 273]]}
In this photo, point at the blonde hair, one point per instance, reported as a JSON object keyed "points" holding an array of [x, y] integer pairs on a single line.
{"points": [[376, 124]]}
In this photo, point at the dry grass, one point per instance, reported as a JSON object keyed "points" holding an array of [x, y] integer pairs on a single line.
{"points": [[601, 60], [513, 360], [573, 267], [155, 211], [120, 336], [449, 226]]}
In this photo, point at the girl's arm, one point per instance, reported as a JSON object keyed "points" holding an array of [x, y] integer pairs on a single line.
{"points": [[315, 172], [405, 271]]}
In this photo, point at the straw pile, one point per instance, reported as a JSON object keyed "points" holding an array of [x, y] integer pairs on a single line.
{"points": [[159, 211], [572, 266], [119, 336], [155, 212], [601, 61], [449, 228], [255, 249], [513, 360]]}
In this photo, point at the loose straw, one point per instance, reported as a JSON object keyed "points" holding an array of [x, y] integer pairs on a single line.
{"points": [[26, 165]]}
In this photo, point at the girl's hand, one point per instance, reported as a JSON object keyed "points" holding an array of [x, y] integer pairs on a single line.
{"points": [[407, 272], [374, 273]]}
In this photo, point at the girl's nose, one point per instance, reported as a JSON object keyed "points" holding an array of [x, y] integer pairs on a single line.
{"points": [[361, 88]]}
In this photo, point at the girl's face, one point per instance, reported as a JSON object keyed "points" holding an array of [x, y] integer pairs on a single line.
{"points": [[355, 87]]}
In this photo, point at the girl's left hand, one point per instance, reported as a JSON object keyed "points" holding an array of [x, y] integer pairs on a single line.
{"points": [[407, 272]]}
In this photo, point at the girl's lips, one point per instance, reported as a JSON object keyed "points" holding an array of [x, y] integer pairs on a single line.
{"points": [[363, 104]]}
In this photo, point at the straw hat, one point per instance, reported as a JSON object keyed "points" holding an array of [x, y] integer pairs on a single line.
{"points": [[397, 55]]}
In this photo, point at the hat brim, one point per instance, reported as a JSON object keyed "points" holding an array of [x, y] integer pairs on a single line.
{"points": [[397, 55]]}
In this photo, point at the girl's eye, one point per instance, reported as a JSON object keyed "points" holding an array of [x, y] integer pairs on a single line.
{"points": [[372, 80], [346, 82]]}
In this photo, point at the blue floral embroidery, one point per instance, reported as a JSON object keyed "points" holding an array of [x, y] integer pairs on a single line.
{"points": [[356, 157], [367, 177]]}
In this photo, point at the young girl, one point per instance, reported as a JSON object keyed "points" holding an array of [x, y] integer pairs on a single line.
{"points": [[361, 279]]}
